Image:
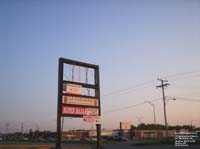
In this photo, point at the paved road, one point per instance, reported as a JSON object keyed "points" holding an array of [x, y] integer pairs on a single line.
{"points": [[123, 145], [126, 145]]}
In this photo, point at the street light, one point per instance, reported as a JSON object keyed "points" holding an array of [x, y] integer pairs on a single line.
{"points": [[154, 113], [139, 119], [191, 123], [170, 98]]}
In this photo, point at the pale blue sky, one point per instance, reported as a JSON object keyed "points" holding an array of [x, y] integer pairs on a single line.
{"points": [[133, 41]]}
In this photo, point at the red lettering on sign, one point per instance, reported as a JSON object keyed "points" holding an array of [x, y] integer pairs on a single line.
{"points": [[79, 111]]}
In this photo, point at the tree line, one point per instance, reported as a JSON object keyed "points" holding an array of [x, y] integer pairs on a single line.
{"points": [[144, 126]]}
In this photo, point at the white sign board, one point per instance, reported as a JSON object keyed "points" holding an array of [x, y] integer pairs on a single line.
{"points": [[92, 119], [74, 89], [125, 125]]}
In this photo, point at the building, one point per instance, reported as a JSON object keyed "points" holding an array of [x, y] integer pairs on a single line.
{"points": [[152, 134], [104, 133], [74, 135]]}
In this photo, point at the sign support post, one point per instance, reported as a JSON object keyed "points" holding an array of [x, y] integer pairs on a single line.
{"points": [[97, 92], [60, 78]]}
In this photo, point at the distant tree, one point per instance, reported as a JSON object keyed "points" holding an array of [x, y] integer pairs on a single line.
{"points": [[36, 134], [133, 127], [144, 126], [197, 129], [150, 127], [30, 133]]}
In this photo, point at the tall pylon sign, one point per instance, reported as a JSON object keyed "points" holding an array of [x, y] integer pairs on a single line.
{"points": [[78, 94]]}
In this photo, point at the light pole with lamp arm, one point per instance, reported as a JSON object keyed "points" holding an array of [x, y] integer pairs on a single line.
{"points": [[154, 112]]}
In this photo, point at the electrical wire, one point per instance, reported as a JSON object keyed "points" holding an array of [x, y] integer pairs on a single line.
{"points": [[129, 89], [181, 74], [128, 107], [187, 99]]}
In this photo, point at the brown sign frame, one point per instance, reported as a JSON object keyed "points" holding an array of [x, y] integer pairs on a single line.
{"points": [[95, 86]]}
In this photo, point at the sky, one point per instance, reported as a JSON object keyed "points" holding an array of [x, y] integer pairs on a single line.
{"points": [[133, 41]]}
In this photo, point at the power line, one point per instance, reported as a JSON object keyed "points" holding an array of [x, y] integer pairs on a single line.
{"points": [[186, 77], [139, 85], [192, 95], [128, 107], [188, 99], [121, 91], [129, 89], [181, 74], [126, 91], [124, 108]]}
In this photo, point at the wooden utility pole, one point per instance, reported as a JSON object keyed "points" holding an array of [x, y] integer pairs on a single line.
{"points": [[163, 84]]}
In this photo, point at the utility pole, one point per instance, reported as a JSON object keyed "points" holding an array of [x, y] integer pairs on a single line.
{"points": [[7, 127], [154, 112], [191, 124], [163, 84], [22, 128]]}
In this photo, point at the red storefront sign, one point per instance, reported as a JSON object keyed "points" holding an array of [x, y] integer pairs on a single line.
{"points": [[79, 111]]}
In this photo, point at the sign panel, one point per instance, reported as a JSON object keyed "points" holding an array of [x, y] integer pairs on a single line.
{"points": [[98, 120], [125, 125], [79, 111], [74, 89], [92, 119], [80, 101]]}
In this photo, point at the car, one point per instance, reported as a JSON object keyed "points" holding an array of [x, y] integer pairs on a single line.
{"points": [[123, 138], [84, 139]]}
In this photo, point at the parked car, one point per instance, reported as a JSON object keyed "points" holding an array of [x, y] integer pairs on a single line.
{"points": [[84, 139], [123, 138], [116, 138]]}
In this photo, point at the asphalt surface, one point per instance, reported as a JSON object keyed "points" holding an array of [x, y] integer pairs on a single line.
{"points": [[127, 145], [123, 145]]}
